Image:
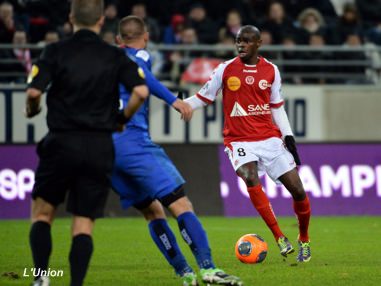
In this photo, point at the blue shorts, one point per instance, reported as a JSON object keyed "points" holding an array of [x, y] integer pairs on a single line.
{"points": [[143, 171]]}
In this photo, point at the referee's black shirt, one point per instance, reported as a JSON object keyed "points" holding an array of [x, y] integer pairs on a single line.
{"points": [[84, 73]]}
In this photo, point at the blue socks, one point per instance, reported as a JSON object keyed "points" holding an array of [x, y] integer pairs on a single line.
{"points": [[164, 238], [195, 236]]}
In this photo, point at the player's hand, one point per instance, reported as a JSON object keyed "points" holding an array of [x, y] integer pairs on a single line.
{"points": [[184, 108], [291, 146], [120, 127], [29, 113]]}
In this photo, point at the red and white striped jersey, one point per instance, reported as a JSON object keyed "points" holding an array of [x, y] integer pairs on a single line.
{"points": [[249, 91]]}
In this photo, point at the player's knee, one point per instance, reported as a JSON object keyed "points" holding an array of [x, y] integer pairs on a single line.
{"points": [[82, 225], [152, 214], [41, 214], [180, 206], [42, 211], [250, 180], [173, 197], [298, 192], [249, 175], [153, 211]]}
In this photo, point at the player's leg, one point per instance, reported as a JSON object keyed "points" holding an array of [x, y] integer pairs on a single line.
{"points": [[87, 198], [280, 166], [292, 182], [249, 173], [81, 248], [165, 240], [137, 176], [195, 236], [245, 162], [190, 226], [48, 192], [40, 236]]}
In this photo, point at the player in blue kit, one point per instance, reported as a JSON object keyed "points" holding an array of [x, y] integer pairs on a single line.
{"points": [[144, 176]]}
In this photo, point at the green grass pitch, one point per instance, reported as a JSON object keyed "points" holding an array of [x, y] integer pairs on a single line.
{"points": [[345, 251]]}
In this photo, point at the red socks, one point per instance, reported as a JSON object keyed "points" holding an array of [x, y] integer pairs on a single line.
{"points": [[263, 206], [303, 212]]}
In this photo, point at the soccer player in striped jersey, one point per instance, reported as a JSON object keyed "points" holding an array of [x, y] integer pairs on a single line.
{"points": [[257, 133], [146, 178]]}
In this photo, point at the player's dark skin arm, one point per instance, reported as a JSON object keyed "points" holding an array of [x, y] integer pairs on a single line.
{"points": [[33, 100], [249, 174]]}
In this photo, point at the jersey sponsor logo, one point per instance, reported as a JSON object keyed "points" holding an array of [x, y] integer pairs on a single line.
{"points": [[238, 110], [263, 84], [249, 79], [250, 71], [33, 73], [252, 109], [233, 83], [259, 109], [164, 239], [144, 55]]}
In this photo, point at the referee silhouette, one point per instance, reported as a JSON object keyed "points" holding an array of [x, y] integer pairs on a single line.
{"points": [[81, 76]]}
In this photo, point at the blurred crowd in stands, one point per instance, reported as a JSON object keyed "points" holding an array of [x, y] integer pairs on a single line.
{"points": [[350, 23]]}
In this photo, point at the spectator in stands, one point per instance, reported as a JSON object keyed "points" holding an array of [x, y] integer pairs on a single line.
{"points": [[109, 37], [320, 69], [233, 23], [153, 26], [206, 29], [111, 19], [66, 30], [267, 40], [20, 15], [172, 33], [51, 36], [18, 60], [227, 40], [23, 55], [370, 11], [38, 19], [189, 36], [291, 73], [356, 73], [373, 34], [310, 22], [178, 61], [325, 8], [349, 23], [7, 23], [277, 22]]}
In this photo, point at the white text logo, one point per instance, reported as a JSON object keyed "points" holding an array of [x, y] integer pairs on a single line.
{"points": [[15, 185]]}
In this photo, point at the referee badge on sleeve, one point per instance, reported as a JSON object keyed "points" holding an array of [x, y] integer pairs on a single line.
{"points": [[141, 73], [33, 73]]}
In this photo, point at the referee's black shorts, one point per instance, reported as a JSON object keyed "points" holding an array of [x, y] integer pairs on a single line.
{"points": [[77, 163]]}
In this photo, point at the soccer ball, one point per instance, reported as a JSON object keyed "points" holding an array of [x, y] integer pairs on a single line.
{"points": [[251, 248]]}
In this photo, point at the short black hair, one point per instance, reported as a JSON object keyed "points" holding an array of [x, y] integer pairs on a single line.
{"points": [[251, 29]]}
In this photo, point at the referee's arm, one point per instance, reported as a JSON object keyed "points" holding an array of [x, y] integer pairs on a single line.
{"points": [[38, 79]]}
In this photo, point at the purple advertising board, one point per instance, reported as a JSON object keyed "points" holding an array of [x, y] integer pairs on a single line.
{"points": [[340, 179], [17, 165]]}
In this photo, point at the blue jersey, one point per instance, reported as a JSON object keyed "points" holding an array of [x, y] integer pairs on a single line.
{"points": [[138, 125], [142, 170]]}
